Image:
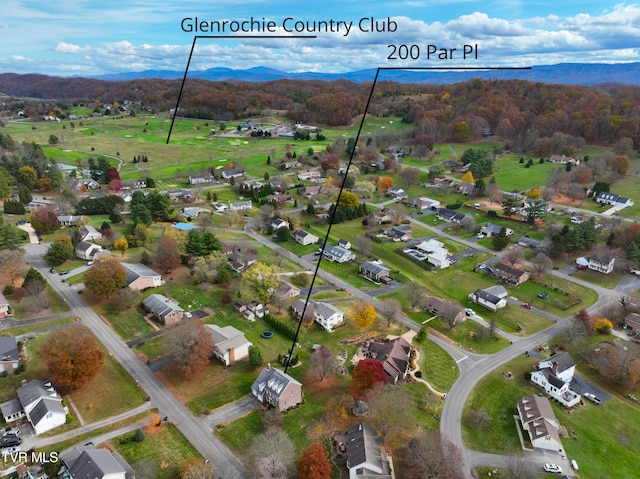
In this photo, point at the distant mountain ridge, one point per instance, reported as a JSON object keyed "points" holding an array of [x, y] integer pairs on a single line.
{"points": [[562, 73]]}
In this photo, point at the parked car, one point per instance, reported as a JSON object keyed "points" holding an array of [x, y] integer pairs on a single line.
{"points": [[574, 464], [62, 273], [52, 270], [11, 432], [543, 295], [469, 312], [526, 305], [10, 441], [553, 468], [593, 398]]}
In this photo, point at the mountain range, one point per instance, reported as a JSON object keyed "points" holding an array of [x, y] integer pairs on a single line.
{"points": [[562, 73]]}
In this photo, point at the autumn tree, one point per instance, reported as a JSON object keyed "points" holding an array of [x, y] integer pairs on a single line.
{"points": [[260, 281], [167, 255], [468, 178], [429, 455], [105, 277], [197, 469], [190, 347], [385, 183], [366, 375], [44, 221], [121, 244], [314, 463], [12, 263], [72, 356], [363, 314], [620, 164], [27, 176], [322, 359], [348, 200]]}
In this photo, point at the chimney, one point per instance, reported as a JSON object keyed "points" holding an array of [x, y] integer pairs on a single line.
{"points": [[268, 365]]}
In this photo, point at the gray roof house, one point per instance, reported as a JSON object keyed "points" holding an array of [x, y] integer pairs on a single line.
{"points": [[89, 233], [166, 310], [230, 344], [376, 271], [277, 389], [538, 420], [325, 314], [86, 251], [394, 356], [487, 299], [40, 403], [366, 457], [87, 462], [9, 354], [337, 254], [140, 277]]}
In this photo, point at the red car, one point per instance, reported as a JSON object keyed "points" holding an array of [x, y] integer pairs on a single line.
{"points": [[526, 305]]}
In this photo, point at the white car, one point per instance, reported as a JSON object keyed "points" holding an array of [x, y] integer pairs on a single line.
{"points": [[593, 398], [553, 468], [469, 312]]}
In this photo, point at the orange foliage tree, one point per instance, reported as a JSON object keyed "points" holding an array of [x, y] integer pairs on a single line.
{"points": [[367, 374], [386, 182], [105, 277], [314, 463], [191, 347], [72, 356]]}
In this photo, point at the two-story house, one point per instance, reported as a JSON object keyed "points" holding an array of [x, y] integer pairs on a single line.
{"points": [[276, 388]]}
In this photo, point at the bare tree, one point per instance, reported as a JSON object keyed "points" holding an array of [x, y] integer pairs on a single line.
{"points": [[415, 294], [479, 419], [266, 212], [322, 360], [190, 347], [278, 298], [390, 407], [429, 456], [12, 263], [409, 177], [541, 263], [205, 220], [450, 312], [469, 223], [514, 254], [390, 309], [364, 245], [519, 467], [273, 454], [34, 287]]}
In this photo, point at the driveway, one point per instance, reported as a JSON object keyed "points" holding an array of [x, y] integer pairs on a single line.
{"points": [[232, 411], [33, 237]]}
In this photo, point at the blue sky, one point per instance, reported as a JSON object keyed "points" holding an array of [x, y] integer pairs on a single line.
{"points": [[89, 37]]}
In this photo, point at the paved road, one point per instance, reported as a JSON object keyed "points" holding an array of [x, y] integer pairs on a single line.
{"points": [[194, 429]]}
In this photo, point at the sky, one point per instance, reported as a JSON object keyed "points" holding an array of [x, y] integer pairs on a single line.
{"points": [[89, 37]]}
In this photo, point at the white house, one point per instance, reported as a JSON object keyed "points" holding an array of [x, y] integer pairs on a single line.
{"points": [[230, 344], [40, 403], [537, 418], [487, 299], [554, 375], [89, 233], [278, 223], [613, 199], [325, 314], [4, 306], [437, 254], [240, 205], [494, 230], [86, 251], [309, 174], [304, 237], [602, 265], [366, 457], [337, 254]]}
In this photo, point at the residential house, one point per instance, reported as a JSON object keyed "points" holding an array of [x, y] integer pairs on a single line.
{"points": [[366, 457], [467, 189], [344, 244], [166, 310], [220, 207], [40, 403], [325, 314], [278, 223], [493, 230], [554, 375], [436, 253], [603, 264], [71, 220], [509, 274], [9, 354], [287, 290], [376, 271], [612, 199], [240, 205], [312, 191], [397, 193], [394, 356], [422, 203], [239, 262], [437, 305], [4, 306], [309, 174], [304, 237], [487, 299], [526, 242], [232, 173], [632, 321], [451, 216], [276, 388], [379, 216], [89, 462], [40, 203], [563, 160], [141, 277], [258, 309], [287, 165], [89, 233], [230, 344], [200, 179], [338, 254], [84, 184], [399, 233], [279, 198], [193, 211], [180, 195], [87, 251], [537, 418]]}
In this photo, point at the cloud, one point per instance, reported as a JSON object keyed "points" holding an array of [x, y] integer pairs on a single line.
{"points": [[63, 47]]}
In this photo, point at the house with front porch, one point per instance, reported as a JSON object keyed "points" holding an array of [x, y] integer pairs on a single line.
{"points": [[554, 375], [604, 264]]}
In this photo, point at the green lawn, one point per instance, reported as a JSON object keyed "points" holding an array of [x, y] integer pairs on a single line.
{"points": [[56, 306], [437, 366], [30, 328], [166, 448]]}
